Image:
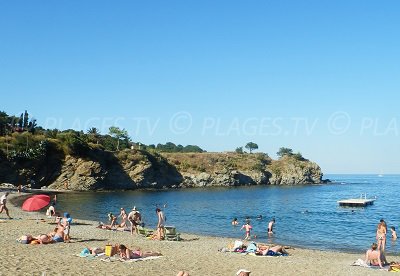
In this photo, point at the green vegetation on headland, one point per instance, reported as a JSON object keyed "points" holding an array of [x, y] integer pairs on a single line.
{"points": [[75, 160]]}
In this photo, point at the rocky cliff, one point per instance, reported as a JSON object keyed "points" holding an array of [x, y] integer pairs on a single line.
{"points": [[134, 169]]}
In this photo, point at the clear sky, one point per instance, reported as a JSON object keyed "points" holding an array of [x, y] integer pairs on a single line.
{"points": [[321, 77]]}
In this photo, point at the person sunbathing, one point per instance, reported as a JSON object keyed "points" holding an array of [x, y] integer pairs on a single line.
{"points": [[267, 250], [40, 239], [126, 253], [373, 256], [104, 226], [45, 239], [58, 234], [25, 239]]}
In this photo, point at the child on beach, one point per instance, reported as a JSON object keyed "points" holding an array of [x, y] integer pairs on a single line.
{"points": [[394, 234], [248, 228]]}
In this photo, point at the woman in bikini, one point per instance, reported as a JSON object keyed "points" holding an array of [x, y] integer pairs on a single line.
{"points": [[381, 235], [127, 254]]}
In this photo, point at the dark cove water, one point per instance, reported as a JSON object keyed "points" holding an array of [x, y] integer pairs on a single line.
{"points": [[306, 216]]}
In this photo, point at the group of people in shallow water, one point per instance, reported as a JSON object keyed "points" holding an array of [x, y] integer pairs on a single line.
{"points": [[248, 228], [375, 256], [135, 220]]}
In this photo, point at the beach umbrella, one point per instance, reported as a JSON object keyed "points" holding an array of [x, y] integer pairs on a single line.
{"points": [[35, 203]]}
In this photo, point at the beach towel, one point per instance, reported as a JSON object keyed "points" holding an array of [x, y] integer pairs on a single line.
{"points": [[362, 263], [115, 259], [268, 256], [251, 248]]}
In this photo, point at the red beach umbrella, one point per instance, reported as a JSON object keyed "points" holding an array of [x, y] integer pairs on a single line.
{"points": [[35, 203]]}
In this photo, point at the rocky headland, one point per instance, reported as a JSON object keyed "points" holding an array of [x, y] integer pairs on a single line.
{"points": [[139, 169]]}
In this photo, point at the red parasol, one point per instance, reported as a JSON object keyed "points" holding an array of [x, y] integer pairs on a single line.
{"points": [[35, 203]]}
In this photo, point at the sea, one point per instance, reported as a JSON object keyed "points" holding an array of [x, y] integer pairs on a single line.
{"points": [[306, 216]]}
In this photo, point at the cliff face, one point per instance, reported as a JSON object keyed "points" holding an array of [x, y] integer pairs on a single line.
{"points": [[250, 169], [133, 169], [125, 170]]}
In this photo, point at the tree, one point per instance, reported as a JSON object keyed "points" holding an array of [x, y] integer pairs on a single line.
{"points": [[26, 120], [118, 133], [21, 122], [239, 150], [284, 152], [299, 156], [94, 134], [251, 146], [3, 123], [32, 126]]}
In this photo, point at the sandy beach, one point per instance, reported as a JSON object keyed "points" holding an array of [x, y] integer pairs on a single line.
{"points": [[198, 255]]}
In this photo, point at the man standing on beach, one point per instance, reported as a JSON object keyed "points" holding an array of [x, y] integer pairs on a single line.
{"points": [[160, 224], [3, 201], [135, 219]]}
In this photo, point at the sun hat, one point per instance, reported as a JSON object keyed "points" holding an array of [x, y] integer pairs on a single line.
{"points": [[242, 270]]}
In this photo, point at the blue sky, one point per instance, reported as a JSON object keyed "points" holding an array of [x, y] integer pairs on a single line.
{"points": [[321, 77]]}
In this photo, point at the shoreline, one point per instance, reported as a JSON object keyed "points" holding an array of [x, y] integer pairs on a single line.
{"points": [[17, 198], [197, 254]]}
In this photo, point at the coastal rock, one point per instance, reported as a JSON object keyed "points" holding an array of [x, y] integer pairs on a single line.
{"points": [[137, 169], [294, 172]]}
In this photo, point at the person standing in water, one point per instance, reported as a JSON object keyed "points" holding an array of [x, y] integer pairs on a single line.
{"points": [[248, 228], [235, 222], [381, 235], [270, 226], [394, 234]]}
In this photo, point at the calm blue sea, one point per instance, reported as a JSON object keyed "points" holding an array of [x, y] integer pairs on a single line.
{"points": [[306, 216]]}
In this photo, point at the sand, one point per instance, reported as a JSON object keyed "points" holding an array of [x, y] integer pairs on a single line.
{"points": [[198, 255]]}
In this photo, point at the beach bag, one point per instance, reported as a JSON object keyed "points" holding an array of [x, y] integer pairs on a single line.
{"points": [[109, 250]]}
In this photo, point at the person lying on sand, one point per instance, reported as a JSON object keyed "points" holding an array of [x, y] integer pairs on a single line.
{"points": [[266, 250], [105, 226], [94, 251], [25, 239], [45, 239], [40, 239], [126, 253]]}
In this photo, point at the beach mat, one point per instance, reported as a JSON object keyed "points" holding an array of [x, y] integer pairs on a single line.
{"points": [[114, 259], [104, 258], [362, 263]]}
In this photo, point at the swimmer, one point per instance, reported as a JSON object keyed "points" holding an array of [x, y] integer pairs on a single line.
{"points": [[235, 222], [394, 234]]}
